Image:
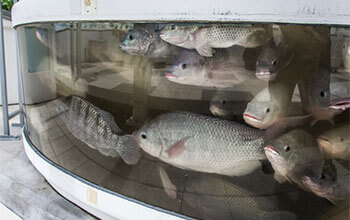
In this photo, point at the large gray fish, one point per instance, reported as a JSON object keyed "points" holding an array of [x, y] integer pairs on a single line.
{"points": [[217, 198], [335, 143], [317, 98], [204, 38], [326, 185], [294, 155], [201, 143], [225, 69], [272, 59], [147, 43], [97, 129], [346, 54]]}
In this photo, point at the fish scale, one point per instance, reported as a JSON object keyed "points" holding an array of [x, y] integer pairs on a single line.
{"points": [[210, 145]]}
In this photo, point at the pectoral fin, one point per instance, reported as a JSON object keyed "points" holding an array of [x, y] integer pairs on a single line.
{"points": [[205, 50], [176, 149], [279, 178], [169, 187]]}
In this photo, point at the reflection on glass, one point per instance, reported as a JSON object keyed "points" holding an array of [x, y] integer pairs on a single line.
{"points": [[213, 121]]}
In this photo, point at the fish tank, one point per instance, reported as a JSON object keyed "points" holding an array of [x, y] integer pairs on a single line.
{"points": [[230, 116]]}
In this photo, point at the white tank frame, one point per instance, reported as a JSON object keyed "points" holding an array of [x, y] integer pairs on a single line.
{"points": [[336, 12]]}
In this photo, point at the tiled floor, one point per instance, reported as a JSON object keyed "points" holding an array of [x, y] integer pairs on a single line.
{"points": [[22, 188]]}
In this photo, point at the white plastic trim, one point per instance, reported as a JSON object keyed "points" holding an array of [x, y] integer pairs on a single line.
{"points": [[108, 205], [276, 11]]}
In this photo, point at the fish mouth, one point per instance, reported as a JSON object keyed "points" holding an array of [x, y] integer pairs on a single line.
{"points": [[265, 75], [170, 75], [251, 117], [340, 104], [324, 142], [272, 150]]}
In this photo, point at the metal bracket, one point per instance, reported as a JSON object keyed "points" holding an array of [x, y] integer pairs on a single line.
{"points": [[10, 138]]}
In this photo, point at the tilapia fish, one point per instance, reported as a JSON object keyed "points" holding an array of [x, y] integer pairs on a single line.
{"points": [[222, 106], [204, 38], [225, 69], [326, 185], [201, 143], [272, 59], [213, 197], [97, 129], [317, 98], [335, 143], [269, 105], [346, 54], [294, 155], [147, 43]]}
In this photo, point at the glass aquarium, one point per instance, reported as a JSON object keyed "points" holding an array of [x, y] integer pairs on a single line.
{"points": [[207, 120]]}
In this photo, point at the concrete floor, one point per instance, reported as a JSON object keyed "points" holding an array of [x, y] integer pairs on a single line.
{"points": [[24, 190]]}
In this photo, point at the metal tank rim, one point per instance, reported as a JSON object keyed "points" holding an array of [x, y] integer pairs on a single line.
{"points": [[324, 12]]}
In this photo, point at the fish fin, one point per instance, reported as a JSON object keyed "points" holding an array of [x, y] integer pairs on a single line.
{"points": [[129, 150], [169, 187], [313, 122], [176, 149], [205, 50], [279, 178], [107, 152], [331, 121]]}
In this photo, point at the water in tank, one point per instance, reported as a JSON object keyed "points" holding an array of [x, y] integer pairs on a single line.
{"points": [[208, 120]]}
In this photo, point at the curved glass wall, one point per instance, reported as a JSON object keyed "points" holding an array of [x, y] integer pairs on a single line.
{"points": [[212, 121]]}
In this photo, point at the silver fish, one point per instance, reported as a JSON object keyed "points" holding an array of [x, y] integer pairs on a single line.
{"points": [[269, 105], [97, 129], [225, 69], [335, 143], [212, 197], [326, 185], [317, 98], [147, 43], [294, 155], [272, 59], [204, 38], [201, 143], [346, 54]]}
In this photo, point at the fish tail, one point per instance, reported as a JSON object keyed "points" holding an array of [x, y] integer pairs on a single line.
{"points": [[129, 150]]}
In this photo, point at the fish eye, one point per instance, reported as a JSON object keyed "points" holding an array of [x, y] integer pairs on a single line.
{"points": [[286, 148], [172, 27], [143, 136], [183, 66], [341, 139], [323, 176], [267, 110], [131, 37], [322, 94], [273, 62], [223, 102]]}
